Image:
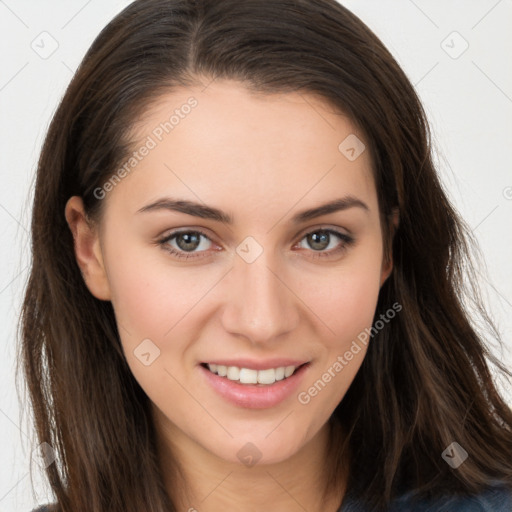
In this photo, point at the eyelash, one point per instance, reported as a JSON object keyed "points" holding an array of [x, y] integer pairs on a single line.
{"points": [[347, 241]]}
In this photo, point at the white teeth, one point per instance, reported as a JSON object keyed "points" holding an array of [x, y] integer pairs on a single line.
{"points": [[267, 376], [233, 373], [280, 373], [249, 376], [289, 370]]}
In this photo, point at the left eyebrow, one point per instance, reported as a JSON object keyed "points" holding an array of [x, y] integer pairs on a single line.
{"points": [[343, 203], [208, 212]]}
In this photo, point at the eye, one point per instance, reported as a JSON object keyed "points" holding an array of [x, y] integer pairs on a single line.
{"points": [[185, 243], [189, 244], [322, 239]]}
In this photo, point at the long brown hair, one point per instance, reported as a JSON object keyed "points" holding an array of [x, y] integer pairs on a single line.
{"points": [[425, 381]]}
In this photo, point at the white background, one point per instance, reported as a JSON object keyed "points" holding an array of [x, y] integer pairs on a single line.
{"points": [[468, 100]]}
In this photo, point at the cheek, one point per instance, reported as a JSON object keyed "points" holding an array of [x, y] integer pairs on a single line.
{"points": [[353, 306], [346, 298], [153, 305], [348, 309], [158, 309], [149, 297]]}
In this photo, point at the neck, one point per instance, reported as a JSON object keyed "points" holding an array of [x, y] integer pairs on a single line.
{"points": [[209, 484]]}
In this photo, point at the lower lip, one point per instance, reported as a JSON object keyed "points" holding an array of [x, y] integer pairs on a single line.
{"points": [[252, 396]]}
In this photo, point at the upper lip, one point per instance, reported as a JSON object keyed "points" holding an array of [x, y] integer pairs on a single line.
{"points": [[254, 364]]}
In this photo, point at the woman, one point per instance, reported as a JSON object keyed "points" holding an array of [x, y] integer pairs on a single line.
{"points": [[247, 280]]}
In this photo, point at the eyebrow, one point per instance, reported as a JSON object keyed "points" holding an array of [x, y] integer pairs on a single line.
{"points": [[208, 212]]}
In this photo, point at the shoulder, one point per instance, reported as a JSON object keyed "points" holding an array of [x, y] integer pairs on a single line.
{"points": [[495, 498], [43, 508]]}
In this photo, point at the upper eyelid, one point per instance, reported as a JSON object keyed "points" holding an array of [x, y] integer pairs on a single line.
{"points": [[180, 231], [322, 227], [301, 234]]}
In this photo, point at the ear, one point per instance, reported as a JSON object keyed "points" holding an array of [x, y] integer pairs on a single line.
{"points": [[387, 263], [87, 249]]}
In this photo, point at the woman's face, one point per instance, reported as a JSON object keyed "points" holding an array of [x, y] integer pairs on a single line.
{"points": [[274, 287]]}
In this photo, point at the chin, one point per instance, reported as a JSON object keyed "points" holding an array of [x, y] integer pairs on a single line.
{"points": [[257, 450]]}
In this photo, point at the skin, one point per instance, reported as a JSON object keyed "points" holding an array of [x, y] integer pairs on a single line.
{"points": [[260, 158]]}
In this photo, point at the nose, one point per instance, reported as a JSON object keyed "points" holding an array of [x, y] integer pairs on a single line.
{"points": [[261, 305]]}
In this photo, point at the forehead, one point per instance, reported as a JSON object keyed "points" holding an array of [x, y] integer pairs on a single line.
{"points": [[224, 142]]}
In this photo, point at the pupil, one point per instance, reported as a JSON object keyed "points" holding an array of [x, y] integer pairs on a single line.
{"points": [[191, 241], [319, 241]]}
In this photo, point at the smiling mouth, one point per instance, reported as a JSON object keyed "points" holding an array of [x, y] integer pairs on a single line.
{"points": [[253, 377]]}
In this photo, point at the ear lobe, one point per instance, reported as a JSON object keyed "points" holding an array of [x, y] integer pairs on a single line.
{"points": [[387, 265], [87, 249]]}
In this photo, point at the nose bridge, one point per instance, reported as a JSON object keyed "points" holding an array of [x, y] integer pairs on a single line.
{"points": [[260, 306]]}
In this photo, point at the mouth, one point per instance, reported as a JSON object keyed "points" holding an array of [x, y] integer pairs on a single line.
{"points": [[251, 376], [249, 388]]}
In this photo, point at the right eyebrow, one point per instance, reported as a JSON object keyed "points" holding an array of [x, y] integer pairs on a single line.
{"points": [[190, 208], [209, 212]]}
